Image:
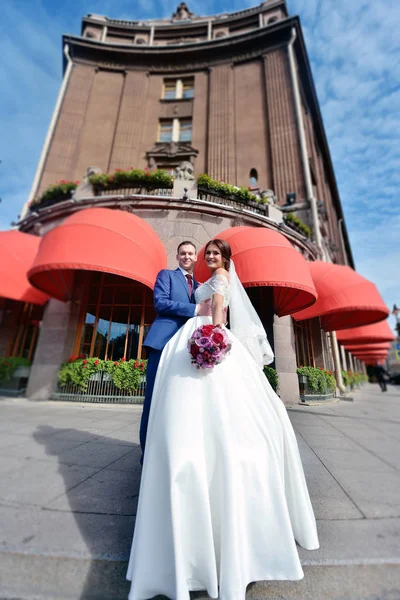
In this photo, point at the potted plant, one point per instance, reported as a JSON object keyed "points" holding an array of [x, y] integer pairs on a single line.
{"points": [[132, 178], [58, 192]]}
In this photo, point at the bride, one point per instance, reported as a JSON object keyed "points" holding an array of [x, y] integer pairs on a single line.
{"points": [[223, 498]]}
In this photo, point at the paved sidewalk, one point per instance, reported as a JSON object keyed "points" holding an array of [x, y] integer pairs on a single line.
{"points": [[69, 479]]}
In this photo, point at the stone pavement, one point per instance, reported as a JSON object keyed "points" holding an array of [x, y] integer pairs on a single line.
{"points": [[69, 479]]}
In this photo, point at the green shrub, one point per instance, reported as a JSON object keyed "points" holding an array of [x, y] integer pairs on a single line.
{"points": [[272, 377], [225, 190], [57, 192], [133, 178], [291, 218], [125, 374], [319, 380]]}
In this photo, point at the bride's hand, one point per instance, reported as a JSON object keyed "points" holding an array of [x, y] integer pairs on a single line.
{"points": [[204, 309]]}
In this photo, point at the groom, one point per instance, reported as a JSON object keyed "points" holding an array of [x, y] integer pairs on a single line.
{"points": [[175, 304]]}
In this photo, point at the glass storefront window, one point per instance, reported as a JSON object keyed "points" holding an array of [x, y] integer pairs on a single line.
{"points": [[27, 319], [304, 343], [114, 318]]}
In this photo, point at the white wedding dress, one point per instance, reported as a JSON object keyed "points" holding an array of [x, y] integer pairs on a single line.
{"points": [[223, 495]]}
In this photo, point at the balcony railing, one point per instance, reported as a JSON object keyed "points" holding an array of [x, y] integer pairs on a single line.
{"points": [[215, 198], [135, 192]]}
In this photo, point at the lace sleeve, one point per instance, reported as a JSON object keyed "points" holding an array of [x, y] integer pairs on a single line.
{"points": [[219, 284]]}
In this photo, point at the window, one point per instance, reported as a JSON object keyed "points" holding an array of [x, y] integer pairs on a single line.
{"points": [[304, 343], [185, 130], [26, 319], [188, 88], [175, 130], [115, 318], [253, 177], [165, 132], [178, 89], [169, 92]]}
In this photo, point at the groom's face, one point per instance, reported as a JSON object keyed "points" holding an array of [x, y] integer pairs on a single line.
{"points": [[186, 257]]}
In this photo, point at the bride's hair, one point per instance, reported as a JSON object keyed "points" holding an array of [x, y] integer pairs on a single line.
{"points": [[225, 250]]}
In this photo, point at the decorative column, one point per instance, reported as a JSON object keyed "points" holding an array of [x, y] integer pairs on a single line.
{"points": [[351, 362], [126, 147], [221, 129], [285, 360], [343, 353], [50, 351], [285, 152]]}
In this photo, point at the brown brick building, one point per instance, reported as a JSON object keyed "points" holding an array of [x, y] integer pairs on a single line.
{"points": [[229, 95]]}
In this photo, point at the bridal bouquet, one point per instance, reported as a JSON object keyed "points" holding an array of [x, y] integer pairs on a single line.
{"points": [[208, 346]]}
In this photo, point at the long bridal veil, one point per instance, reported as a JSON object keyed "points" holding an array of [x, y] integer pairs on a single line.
{"points": [[245, 323]]}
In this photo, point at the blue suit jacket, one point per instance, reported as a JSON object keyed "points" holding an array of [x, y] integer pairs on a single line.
{"points": [[173, 306]]}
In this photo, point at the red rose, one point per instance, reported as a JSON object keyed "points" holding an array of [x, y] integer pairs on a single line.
{"points": [[71, 359], [206, 355], [85, 362], [218, 338], [207, 330], [194, 350], [123, 359], [115, 363], [136, 364], [96, 362]]}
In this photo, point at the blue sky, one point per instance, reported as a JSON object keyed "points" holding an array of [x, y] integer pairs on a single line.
{"points": [[355, 55]]}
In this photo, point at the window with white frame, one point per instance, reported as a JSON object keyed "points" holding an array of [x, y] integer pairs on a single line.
{"points": [[175, 130], [178, 89]]}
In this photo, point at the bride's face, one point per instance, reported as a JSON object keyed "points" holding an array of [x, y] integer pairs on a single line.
{"points": [[213, 257]]}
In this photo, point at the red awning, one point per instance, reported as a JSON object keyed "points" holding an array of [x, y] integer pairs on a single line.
{"points": [[367, 347], [17, 253], [264, 257], [371, 334], [345, 298], [97, 239], [372, 353], [373, 361]]}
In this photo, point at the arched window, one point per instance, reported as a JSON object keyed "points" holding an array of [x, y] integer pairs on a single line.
{"points": [[253, 177]]}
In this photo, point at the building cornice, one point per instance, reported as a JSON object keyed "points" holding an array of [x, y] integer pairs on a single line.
{"points": [[237, 47], [174, 24]]}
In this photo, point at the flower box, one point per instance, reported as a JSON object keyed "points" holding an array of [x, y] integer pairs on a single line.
{"points": [[21, 372]]}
